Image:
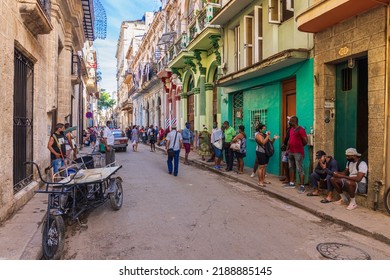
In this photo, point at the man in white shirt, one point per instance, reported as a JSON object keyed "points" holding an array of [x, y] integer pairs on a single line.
{"points": [[217, 143], [353, 178], [108, 140], [174, 142]]}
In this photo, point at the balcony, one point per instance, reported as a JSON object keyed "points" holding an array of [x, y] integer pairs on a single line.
{"points": [[128, 76], [200, 29], [76, 69], [328, 13], [229, 11], [201, 26], [36, 15]]}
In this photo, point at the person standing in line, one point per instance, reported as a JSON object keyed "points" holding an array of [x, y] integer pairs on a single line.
{"points": [[217, 143], [262, 137], [285, 178], [152, 140], [241, 153], [295, 150], [71, 151], [108, 140], [188, 138], [135, 138], [56, 146], [204, 143], [175, 142], [229, 134]]}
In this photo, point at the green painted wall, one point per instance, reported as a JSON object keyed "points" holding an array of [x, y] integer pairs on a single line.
{"points": [[265, 92]]}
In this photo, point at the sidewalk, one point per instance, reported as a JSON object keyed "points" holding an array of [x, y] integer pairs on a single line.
{"points": [[20, 236]]}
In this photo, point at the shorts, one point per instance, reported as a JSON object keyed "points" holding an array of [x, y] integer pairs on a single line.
{"points": [[296, 160], [284, 156], [262, 158], [187, 147], [218, 152], [57, 164], [239, 154]]}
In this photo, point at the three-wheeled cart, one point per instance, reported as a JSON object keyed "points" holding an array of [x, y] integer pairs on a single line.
{"points": [[73, 195]]}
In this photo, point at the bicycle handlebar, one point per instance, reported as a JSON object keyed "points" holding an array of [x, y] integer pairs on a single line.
{"points": [[46, 182]]}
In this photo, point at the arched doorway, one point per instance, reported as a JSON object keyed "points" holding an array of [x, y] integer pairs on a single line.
{"points": [[190, 102], [147, 115]]}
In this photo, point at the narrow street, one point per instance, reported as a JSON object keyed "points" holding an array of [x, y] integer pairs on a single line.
{"points": [[201, 215]]}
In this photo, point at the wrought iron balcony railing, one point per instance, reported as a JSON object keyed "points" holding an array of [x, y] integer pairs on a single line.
{"points": [[46, 7], [202, 19]]}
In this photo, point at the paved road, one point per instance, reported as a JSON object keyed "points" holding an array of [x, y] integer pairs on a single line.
{"points": [[201, 215]]}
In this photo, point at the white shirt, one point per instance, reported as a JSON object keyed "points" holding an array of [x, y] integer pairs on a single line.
{"points": [[108, 135], [363, 168], [171, 139], [216, 135]]}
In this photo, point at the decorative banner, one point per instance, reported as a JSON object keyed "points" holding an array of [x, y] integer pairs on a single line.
{"points": [[89, 115]]}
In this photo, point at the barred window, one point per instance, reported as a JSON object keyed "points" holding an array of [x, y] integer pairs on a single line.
{"points": [[257, 116]]}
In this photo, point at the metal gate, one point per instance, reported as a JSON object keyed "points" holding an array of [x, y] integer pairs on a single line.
{"points": [[238, 112], [22, 121]]}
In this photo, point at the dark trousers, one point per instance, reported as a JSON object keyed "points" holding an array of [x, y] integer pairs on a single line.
{"points": [[315, 177], [110, 156], [228, 156]]}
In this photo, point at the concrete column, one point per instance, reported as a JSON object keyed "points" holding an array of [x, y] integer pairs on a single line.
{"points": [[209, 106], [202, 98]]}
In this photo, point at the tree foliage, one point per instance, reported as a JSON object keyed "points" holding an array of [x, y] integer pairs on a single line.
{"points": [[105, 101]]}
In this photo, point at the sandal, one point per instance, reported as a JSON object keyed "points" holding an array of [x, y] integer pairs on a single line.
{"points": [[261, 185], [326, 201], [267, 182], [312, 194]]}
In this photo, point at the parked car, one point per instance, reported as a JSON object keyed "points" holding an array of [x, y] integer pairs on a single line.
{"points": [[120, 142]]}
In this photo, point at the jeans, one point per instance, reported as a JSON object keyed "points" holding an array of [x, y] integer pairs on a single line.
{"points": [[296, 160], [315, 177], [176, 163], [57, 164]]}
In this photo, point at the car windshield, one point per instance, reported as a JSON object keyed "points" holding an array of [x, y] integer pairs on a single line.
{"points": [[118, 133]]}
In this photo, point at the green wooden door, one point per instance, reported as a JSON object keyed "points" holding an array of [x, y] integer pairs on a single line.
{"points": [[346, 112]]}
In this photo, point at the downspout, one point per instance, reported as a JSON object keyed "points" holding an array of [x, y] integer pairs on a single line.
{"points": [[386, 148]]}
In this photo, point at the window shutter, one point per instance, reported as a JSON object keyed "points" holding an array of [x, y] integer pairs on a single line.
{"points": [[290, 5], [248, 41], [237, 46], [258, 43], [274, 11]]}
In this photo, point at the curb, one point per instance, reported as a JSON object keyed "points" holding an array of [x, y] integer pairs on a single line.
{"points": [[320, 214]]}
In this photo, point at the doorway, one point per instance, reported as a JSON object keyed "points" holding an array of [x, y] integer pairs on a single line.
{"points": [[351, 118], [289, 107]]}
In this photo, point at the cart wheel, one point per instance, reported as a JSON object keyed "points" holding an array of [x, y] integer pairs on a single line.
{"points": [[53, 237], [116, 198], [387, 200]]}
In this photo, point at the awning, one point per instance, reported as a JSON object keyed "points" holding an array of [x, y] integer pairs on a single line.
{"points": [[89, 19], [328, 13]]}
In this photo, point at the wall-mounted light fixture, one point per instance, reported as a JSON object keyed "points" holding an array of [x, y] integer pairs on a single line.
{"points": [[351, 63]]}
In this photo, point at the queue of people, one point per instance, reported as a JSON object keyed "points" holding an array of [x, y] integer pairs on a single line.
{"points": [[224, 143]]}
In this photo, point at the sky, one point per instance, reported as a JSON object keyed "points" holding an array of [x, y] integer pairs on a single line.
{"points": [[117, 11]]}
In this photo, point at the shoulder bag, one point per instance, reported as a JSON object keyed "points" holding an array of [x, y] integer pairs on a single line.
{"points": [[171, 152]]}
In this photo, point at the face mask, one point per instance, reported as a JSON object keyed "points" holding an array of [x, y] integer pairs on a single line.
{"points": [[350, 160], [62, 132], [111, 126], [214, 126], [188, 126]]}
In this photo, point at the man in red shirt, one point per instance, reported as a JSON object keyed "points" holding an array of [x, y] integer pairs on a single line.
{"points": [[298, 139]]}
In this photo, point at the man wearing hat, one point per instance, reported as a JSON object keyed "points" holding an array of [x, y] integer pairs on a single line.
{"points": [[175, 142], [352, 179], [188, 138], [326, 166]]}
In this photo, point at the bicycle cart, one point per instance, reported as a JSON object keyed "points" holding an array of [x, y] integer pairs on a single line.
{"points": [[67, 199]]}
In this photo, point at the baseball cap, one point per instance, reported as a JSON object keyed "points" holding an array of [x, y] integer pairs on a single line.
{"points": [[319, 154]]}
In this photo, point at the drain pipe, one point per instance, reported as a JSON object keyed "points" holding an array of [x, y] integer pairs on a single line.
{"points": [[386, 148], [376, 188]]}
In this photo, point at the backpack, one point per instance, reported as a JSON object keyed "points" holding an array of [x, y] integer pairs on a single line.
{"points": [[357, 167], [269, 148]]}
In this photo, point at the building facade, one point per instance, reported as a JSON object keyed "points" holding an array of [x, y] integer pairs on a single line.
{"points": [[351, 84], [41, 41], [130, 37], [266, 71]]}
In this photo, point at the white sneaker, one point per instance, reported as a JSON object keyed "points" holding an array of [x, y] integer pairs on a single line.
{"points": [[252, 175], [351, 206]]}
